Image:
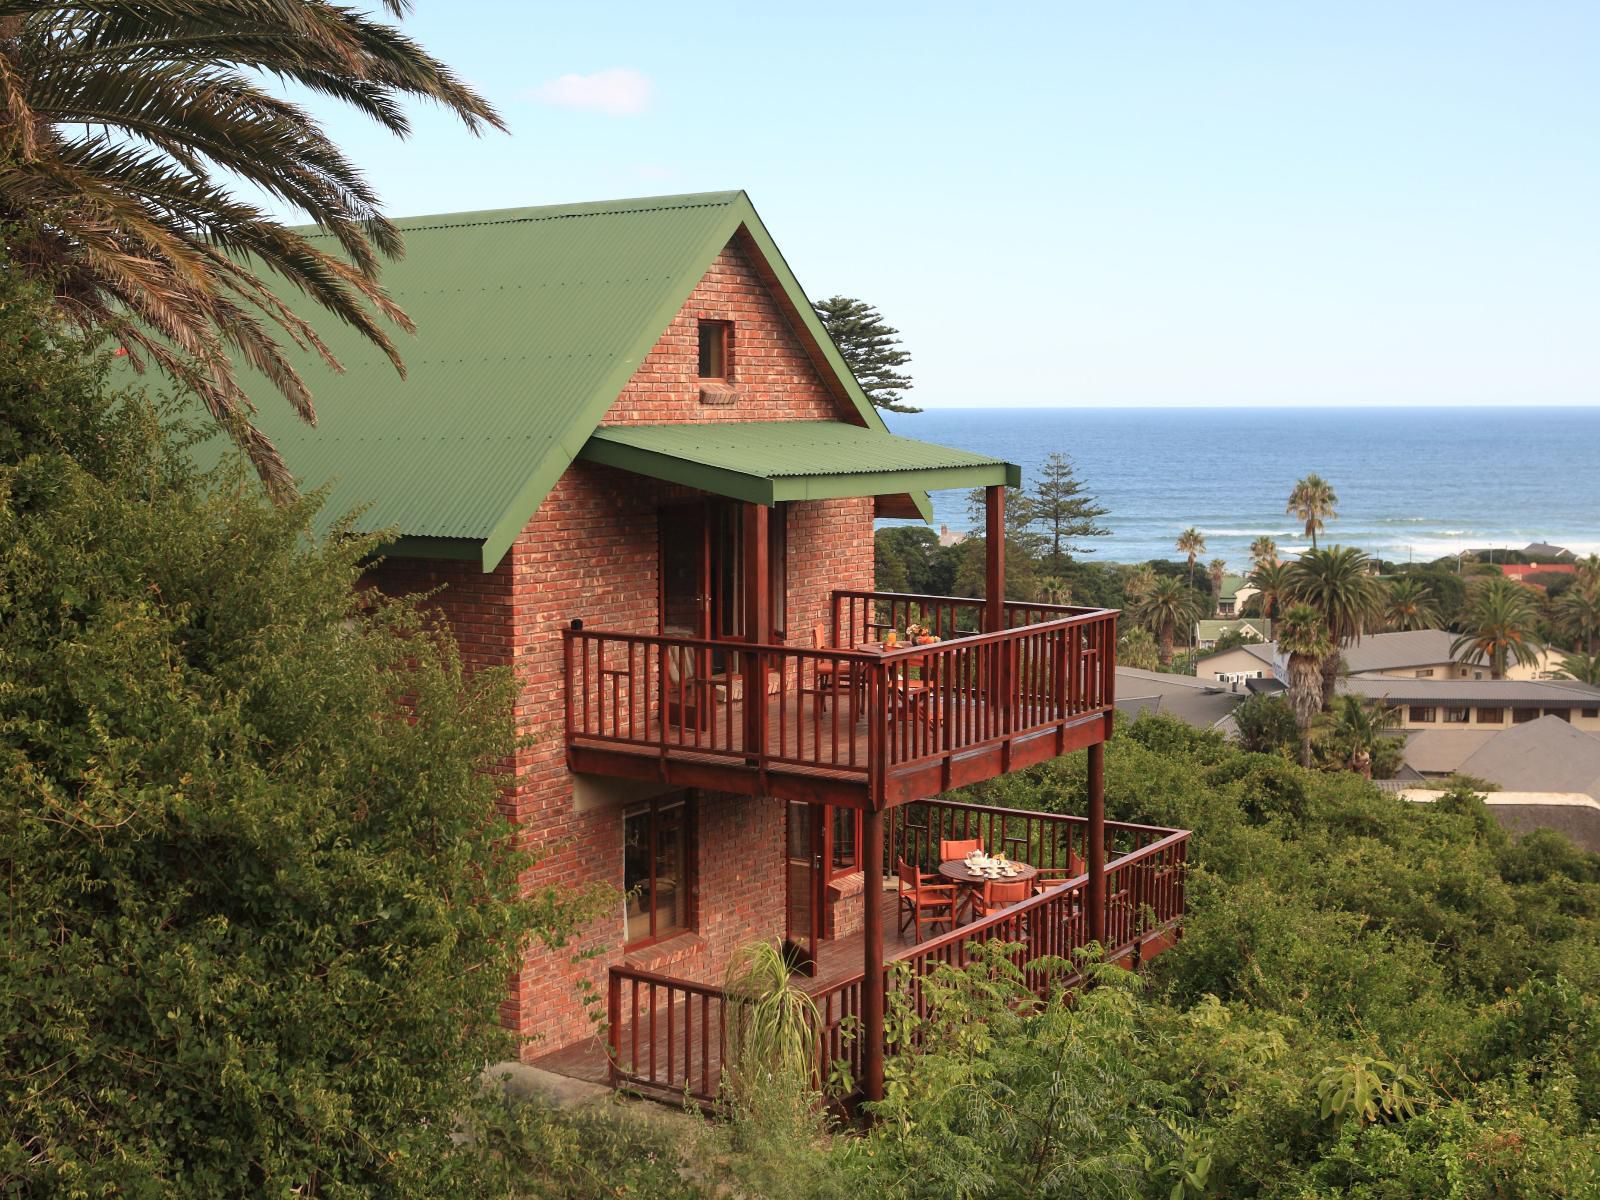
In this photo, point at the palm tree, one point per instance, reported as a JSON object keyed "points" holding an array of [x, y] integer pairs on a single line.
{"points": [[1585, 668], [1137, 648], [1167, 607], [123, 126], [1263, 550], [1338, 583], [1217, 569], [1312, 500], [1577, 611], [1139, 582], [1408, 604], [1357, 729], [1303, 639], [1192, 543], [1272, 582], [1499, 624]]}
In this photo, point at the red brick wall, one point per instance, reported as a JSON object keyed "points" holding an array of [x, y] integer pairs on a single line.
{"points": [[772, 373], [591, 552]]}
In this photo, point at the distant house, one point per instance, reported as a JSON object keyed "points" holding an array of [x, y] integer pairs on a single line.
{"points": [[1548, 772], [1521, 571], [1462, 704], [1415, 654], [1207, 633], [1202, 704], [1235, 594], [1546, 550]]}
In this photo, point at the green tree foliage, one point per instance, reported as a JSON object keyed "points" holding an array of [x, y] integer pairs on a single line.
{"points": [[1338, 583], [1312, 500], [910, 559], [1408, 604], [261, 906], [1216, 572], [1137, 648], [1371, 999], [1191, 544], [1272, 581], [1355, 734], [1302, 634], [1064, 510], [1500, 623], [1263, 550], [1167, 608], [124, 125], [870, 348], [1585, 668], [1577, 611], [1266, 725]]}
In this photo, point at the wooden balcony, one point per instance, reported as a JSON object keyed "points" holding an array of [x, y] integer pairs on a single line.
{"points": [[845, 724], [666, 1036]]}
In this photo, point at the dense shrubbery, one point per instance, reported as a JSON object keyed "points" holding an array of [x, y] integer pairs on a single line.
{"points": [[260, 909], [1371, 999]]}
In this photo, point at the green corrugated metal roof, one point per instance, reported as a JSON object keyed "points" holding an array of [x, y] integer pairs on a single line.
{"points": [[530, 322], [768, 461]]}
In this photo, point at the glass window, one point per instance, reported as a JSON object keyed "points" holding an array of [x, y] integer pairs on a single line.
{"points": [[1590, 714], [778, 567], [845, 823], [1564, 714], [1457, 714], [1491, 716], [1422, 714], [655, 868], [1521, 716], [1425, 674], [716, 349]]}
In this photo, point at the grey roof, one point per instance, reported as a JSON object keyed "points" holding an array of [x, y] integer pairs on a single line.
{"points": [[1504, 693], [1442, 751], [1546, 550], [1387, 651], [1201, 702], [1547, 755]]}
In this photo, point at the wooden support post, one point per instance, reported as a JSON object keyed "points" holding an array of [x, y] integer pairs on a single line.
{"points": [[1097, 843], [757, 626], [872, 999], [994, 558]]}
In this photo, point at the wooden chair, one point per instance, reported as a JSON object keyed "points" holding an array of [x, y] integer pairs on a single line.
{"points": [[923, 900], [827, 670], [1054, 877], [1001, 893], [688, 698], [949, 851]]}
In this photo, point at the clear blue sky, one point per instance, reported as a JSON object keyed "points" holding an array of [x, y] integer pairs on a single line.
{"points": [[1074, 204]]}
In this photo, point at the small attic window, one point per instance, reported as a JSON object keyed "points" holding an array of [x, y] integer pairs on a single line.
{"points": [[716, 349]]}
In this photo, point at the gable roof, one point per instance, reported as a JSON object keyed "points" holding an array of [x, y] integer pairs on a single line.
{"points": [[1547, 755], [1501, 693], [1387, 651], [530, 323], [1200, 702]]}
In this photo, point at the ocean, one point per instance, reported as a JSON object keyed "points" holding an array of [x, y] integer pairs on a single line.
{"points": [[1413, 483]]}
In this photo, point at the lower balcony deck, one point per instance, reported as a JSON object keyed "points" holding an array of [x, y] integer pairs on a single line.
{"points": [[666, 1035]]}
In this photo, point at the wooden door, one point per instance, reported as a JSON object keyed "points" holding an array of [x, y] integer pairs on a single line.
{"points": [[685, 571], [805, 875]]}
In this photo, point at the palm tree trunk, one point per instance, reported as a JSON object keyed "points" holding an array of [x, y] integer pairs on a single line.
{"points": [[1166, 645], [1305, 747], [1330, 679]]}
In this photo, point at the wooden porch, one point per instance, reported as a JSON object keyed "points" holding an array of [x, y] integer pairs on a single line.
{"points": [[666, 1036], [853, 723]]}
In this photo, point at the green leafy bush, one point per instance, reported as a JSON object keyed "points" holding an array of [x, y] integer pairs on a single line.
{"points": [[260, 905]]}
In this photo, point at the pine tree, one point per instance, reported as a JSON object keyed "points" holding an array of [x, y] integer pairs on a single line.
{"points": [[1060, 505], [870, 349]]}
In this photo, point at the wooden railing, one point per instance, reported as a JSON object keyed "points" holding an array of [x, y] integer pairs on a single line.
{"points": [[669, 1035], [1052, 842], [865, 714]]}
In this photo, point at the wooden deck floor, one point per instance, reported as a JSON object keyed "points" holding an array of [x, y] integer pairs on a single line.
{"points": [[837, 959]]}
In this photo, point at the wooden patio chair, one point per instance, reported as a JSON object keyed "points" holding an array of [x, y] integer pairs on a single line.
{"points": [[1000, 893], [921, 899], [1054, 877], [949, 850], [827, 671], [688, 697]]}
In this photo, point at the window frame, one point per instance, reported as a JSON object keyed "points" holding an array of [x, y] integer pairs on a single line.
{"points": [[723, 333], [1499, 717], [691, 888], [1522, 715], [1455, 714], [1589, 714], [1413, 711]]}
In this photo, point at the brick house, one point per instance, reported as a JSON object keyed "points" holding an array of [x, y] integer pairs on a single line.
{"points": [[629, 464]]}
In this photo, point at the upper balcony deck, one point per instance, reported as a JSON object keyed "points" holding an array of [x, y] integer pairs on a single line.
{"points": [[850, 723]]}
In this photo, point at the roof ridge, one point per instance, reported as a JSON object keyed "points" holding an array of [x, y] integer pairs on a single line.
{"points": [[622, 206]]}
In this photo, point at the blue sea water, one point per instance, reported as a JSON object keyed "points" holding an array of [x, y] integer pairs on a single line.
{"points": [[1413, 483]]}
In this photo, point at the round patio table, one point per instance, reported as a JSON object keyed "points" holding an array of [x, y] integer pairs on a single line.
{"points": [[973, 881]]}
